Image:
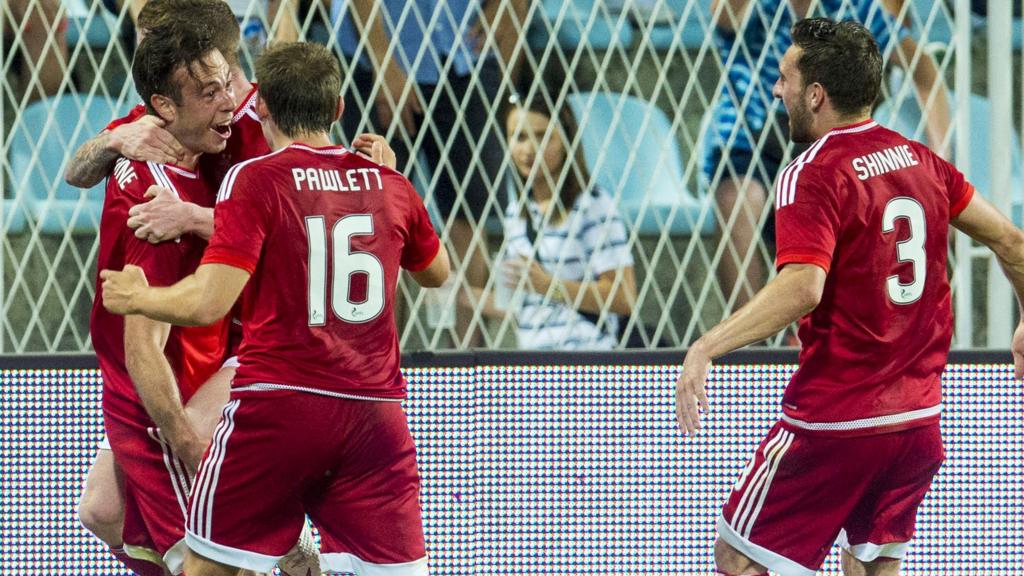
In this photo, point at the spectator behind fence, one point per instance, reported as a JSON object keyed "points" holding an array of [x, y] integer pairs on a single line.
{"points": [[748, 127], [35, 29], [456, 54], [566, 245]]}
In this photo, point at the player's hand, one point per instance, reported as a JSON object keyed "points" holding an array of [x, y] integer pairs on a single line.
{"points": [[376, 148], [1017, 348], [146, 140], [121, 288], [164, 217], [691, 395], [389, 100], [190, 452]]}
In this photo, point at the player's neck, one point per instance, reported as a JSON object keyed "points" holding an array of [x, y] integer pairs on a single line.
{"points": [[830, 122], [279, 140], [190, 161]]}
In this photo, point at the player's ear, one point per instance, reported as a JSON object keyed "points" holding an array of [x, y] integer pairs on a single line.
{"points": [[164, 107], [261, 107], [817, 96], [341, 108]]}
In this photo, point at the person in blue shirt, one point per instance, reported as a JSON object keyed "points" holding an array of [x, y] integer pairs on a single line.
{"points": [[747, 142], [437, 66]]}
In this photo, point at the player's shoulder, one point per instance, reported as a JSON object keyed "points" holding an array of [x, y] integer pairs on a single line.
{"points": [[131, 177]]}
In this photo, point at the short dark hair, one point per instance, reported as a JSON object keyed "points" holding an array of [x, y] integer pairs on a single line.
{"points": [[214, 17], [160, 55], [844, 58], [301, 83]]}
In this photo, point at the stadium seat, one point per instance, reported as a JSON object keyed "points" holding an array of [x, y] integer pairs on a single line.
{"points": [[931, 22], [578, 24], [12, 218], [690, 21], [629, 144], [96, 26], [907, 121], [42, 141]]}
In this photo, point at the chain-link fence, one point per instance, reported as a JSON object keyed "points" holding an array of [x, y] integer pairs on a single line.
{"points": [[655, 224]]}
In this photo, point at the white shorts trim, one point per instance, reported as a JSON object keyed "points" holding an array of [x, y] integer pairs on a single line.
{"points": [[104, 443], [343, 563], [230, 363], [174, 558], [267, 386], [763, 556], [869, 552], [877, 421], [230, 556]]}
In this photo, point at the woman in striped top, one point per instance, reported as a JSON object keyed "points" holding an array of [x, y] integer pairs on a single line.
{"points": [[566, 247]]}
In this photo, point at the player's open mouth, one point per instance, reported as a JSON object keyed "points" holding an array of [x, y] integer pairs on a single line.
{"points": [[223, 130]]}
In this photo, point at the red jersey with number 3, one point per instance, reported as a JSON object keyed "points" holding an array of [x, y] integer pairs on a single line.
{"points": [[193, 353], [323, 232], [872, 209]]}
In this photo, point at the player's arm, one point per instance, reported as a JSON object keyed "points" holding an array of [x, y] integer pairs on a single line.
{"points": [[144, 342], [166, 217], [792, 294], [196, 300], [144, 140], [436, 272], [984, 223]]}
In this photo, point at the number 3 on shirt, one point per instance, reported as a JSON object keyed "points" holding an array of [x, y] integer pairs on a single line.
{"points": [[346, 263], [909, 250]]}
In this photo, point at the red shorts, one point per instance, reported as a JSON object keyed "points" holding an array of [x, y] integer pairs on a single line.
{"points": [[156, 487], [278, 456], [800, 492]]}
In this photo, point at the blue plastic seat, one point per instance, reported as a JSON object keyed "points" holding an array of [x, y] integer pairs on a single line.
{"points": [[907, 121], [96, 26], [578, 24], [12, 217], [931, 22], [629, 145], [689, 21], [42, 141]]}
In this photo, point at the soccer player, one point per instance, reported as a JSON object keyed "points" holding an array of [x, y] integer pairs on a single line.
{"points": [[149, 369], [316, 235], [862, 234]]}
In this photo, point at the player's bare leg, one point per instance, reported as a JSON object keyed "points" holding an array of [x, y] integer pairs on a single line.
{"points": [[731, 561], [101, 508], [196, 565], [475, 266], [879, 567], [741, 239]]}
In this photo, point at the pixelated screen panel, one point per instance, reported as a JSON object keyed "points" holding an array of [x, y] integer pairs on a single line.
{"points": [[552, 469]]}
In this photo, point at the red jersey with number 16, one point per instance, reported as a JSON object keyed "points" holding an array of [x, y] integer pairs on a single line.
{"points": [[872, 209], [323, 232]]}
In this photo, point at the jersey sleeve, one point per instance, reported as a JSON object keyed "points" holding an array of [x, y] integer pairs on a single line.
{"points": [[240, 221], [132, 116], [960, 190], [422, 243], [807, 225], [161, 262]]}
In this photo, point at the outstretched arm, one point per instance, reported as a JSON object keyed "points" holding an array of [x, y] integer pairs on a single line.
{"points": [[984, 223], [795, 292], [196, 300], [144, 140]]}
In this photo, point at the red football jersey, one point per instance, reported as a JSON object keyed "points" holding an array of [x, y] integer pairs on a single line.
{"points": [[323, 232], [194, 353], [873, 210], [133, 115], [245, 143]]}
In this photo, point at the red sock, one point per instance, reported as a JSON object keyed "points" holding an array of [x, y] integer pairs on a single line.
{"points": [[140, 567]]}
